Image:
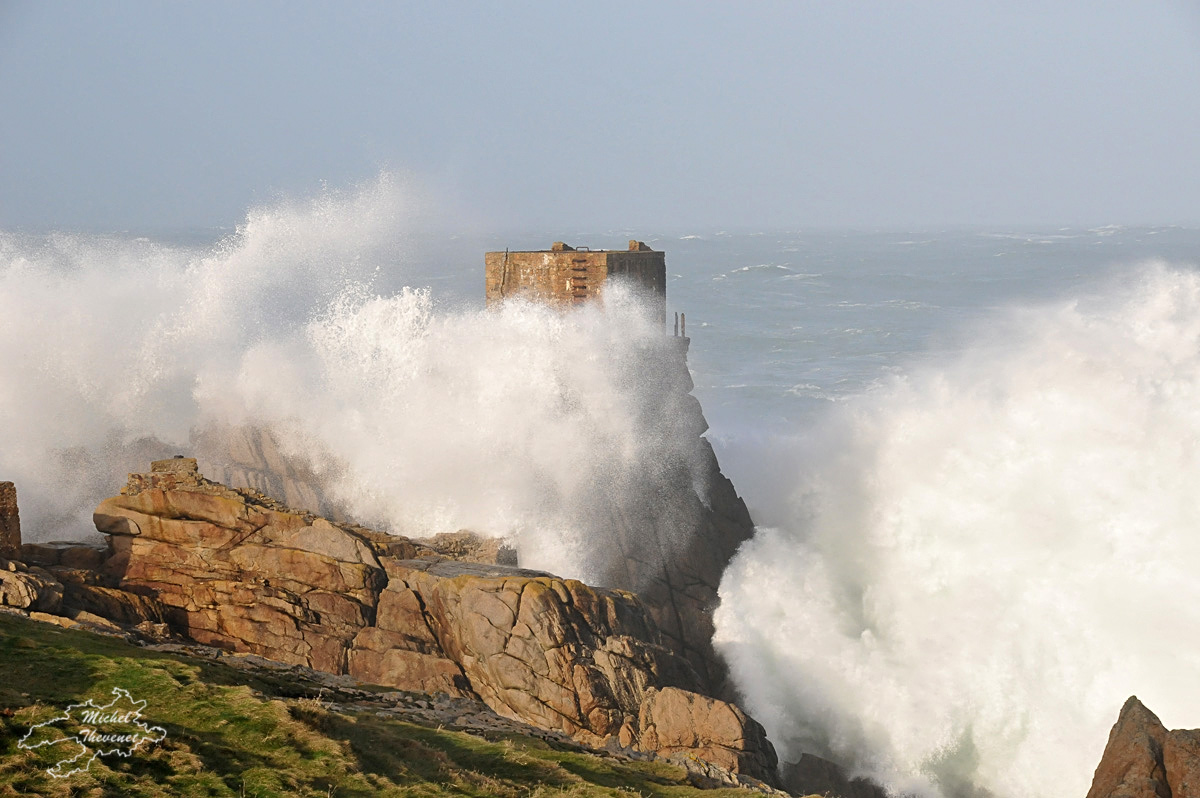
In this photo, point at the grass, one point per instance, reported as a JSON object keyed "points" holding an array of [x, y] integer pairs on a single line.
{"points": [[234, 734]]}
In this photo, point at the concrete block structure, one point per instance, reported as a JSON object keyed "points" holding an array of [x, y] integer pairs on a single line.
{"points": [[564, 275]]}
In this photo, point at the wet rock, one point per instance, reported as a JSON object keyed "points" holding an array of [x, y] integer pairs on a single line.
{"points": [[812, 775], [466, 546], [669, 538]]}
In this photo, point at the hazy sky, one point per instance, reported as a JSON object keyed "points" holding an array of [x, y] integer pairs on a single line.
{"points": [[602, 115]]}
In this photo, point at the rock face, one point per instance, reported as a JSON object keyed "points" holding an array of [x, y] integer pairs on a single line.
{"points": [[670, 539], [240, 572], [550, 651], [678, 721], [1181, 760], [242, 576], [10, 521], [1144, 760]]}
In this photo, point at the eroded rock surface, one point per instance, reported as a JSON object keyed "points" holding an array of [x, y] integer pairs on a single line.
{"points": [[251, 458]]}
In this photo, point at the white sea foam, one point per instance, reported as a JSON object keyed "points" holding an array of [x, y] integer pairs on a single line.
{"points": [[763, 267], [523, 422], [972, 568]]}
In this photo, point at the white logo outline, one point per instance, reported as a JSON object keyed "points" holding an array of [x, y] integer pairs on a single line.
{"points": [[97, 714]]}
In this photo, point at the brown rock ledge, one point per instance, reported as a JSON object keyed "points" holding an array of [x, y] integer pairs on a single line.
{"points": [[238, 571]]}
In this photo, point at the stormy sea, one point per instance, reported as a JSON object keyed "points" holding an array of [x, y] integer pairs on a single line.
{"points": [[972, 454]]}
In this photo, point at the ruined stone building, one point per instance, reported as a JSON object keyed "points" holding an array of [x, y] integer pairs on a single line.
{"points": [[564, 275]]}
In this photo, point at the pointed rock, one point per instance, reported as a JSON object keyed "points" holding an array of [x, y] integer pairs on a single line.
{"points": [[1132, 765]]}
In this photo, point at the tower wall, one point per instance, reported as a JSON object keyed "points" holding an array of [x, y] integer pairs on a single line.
{"points": [[10, 522], [563, 276]]}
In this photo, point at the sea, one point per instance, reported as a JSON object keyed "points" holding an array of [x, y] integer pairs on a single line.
{"points": [[972, 454]]}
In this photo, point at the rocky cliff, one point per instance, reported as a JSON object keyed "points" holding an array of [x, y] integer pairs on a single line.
{"points": [[667, 535], [672, 538], [236, 570]]}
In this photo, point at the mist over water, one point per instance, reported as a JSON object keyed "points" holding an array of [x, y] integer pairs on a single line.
{"points": [[972, 454], [975, 563]]}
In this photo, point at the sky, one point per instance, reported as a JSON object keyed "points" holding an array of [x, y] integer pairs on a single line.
{"points": [[605, 115]]}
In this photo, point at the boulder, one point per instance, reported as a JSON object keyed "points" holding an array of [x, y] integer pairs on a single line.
{"points": [[673, 721], [386, 657], [82, 593], [26, 588]]}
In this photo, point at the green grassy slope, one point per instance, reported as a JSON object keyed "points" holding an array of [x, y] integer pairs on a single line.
{"points": [[230, 733]]}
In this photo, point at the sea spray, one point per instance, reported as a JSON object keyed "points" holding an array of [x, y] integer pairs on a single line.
{"points": [[983, 559], [523, 421], [104, 339]]}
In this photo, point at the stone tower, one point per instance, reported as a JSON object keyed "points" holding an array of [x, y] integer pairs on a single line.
{"points": [[668, 540], [564, 275], [10, 522]]}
